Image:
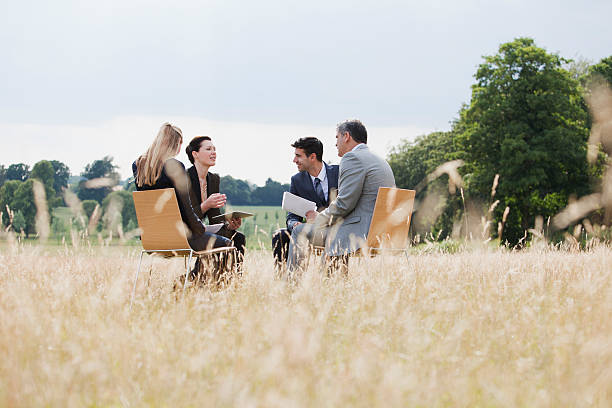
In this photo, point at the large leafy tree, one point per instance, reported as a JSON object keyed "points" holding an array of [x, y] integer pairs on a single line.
{"points": [[98, 169], [23, 200], [527, 123], [61, 174], [18, 171], [412, 161], [43, 171]]}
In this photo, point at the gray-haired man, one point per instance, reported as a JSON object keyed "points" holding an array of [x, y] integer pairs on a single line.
{"points": [[343, 227]]}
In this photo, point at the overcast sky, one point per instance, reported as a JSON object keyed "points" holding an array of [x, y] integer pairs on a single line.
{"points": [[83, 79]]}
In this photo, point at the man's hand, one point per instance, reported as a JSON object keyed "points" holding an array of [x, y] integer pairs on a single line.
{"points": [[216, 200], [310, 216]]}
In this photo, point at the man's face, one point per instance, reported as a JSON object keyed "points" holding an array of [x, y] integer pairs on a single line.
{"points": [[301, 160], [341, 143]]}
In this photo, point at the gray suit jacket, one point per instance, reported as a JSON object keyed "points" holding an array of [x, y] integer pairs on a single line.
{"points": [[349, 216]]}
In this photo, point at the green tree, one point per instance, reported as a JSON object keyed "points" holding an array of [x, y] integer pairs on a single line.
{"points": [[603, 69], [7, 193], [23, 200], [238, 191], [18, 172], [88, 207], [412, 161], [19, 222], [43, 172], [269, 194], [526, 122], [101, 168], [61, 174], [59, 226], [98, 169]]}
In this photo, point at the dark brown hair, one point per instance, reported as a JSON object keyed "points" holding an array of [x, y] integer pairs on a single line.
{"points": [[194, 146], [310, 145]]}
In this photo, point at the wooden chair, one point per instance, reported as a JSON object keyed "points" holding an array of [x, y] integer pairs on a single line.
{"points": [[390, 223], [163, 231], [391, 220]]}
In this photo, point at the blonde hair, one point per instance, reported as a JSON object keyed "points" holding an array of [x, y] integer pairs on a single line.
{"points": [[165, 146]]}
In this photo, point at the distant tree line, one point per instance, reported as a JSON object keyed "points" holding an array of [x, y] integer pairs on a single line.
{"points": [[101, 199], [240, 192], [516, 152]]}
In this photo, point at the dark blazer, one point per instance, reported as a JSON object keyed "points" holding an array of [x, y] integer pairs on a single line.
{"points": [[301, 185], [180, 184], [212, 186]]}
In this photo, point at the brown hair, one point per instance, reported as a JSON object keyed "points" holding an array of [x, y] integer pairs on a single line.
{"points": [[194, 146]]}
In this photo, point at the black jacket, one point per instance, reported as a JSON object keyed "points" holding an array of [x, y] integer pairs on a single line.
{"points": [[195, 193], [180, 183]]}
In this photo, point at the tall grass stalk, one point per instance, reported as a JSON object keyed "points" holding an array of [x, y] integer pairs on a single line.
{"points": [[477, 328]]}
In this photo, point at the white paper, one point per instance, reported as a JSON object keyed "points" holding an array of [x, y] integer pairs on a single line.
{"points": [[297, 205], [213, 228]]}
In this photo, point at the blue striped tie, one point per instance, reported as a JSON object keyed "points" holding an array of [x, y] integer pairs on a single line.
{"points": [[319, 191]]}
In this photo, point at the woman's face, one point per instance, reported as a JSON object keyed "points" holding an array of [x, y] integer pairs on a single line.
{"points": [[207, 154]]}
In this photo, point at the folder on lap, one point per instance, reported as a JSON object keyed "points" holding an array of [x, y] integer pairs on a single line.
{"points": [[297, 205]]}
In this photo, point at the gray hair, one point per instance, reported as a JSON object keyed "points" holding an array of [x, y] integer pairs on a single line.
{"points": [[355, 129]]}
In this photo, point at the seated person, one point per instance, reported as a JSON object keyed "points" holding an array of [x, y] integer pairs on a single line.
{"points": [[316, 181], [157, 168], [204, 191], [361, 174]]}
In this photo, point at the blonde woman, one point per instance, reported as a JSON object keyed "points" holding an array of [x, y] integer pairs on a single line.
{"points": [[157, 168]]}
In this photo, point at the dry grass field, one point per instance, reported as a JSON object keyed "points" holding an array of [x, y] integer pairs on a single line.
{"points": [[486, 328]]}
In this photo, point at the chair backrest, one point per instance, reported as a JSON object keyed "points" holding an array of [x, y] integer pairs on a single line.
{"points": [[160, 220], [391, 218]]}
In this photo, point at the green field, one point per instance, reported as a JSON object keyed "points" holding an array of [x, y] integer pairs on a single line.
{"points": [[259, 228]]}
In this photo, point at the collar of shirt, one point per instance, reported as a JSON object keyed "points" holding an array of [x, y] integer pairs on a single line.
{"points": [[322, 174], [358, 146]]}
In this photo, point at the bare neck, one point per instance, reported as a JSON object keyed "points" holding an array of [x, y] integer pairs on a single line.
{"points": [[316, 169], [201, 169]]}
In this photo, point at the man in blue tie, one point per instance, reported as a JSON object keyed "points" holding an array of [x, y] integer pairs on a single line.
{"points": [[316, 181], [343, 227]]}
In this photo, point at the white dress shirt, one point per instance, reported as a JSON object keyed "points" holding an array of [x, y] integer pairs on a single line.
{"points": [[324, 184]]}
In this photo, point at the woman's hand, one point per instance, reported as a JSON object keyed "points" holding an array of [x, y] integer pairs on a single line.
{"points": [[234, 223], [215, 200]]}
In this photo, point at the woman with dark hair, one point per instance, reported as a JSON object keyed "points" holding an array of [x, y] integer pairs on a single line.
{"points": [[204, 191], [157, 168]]}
